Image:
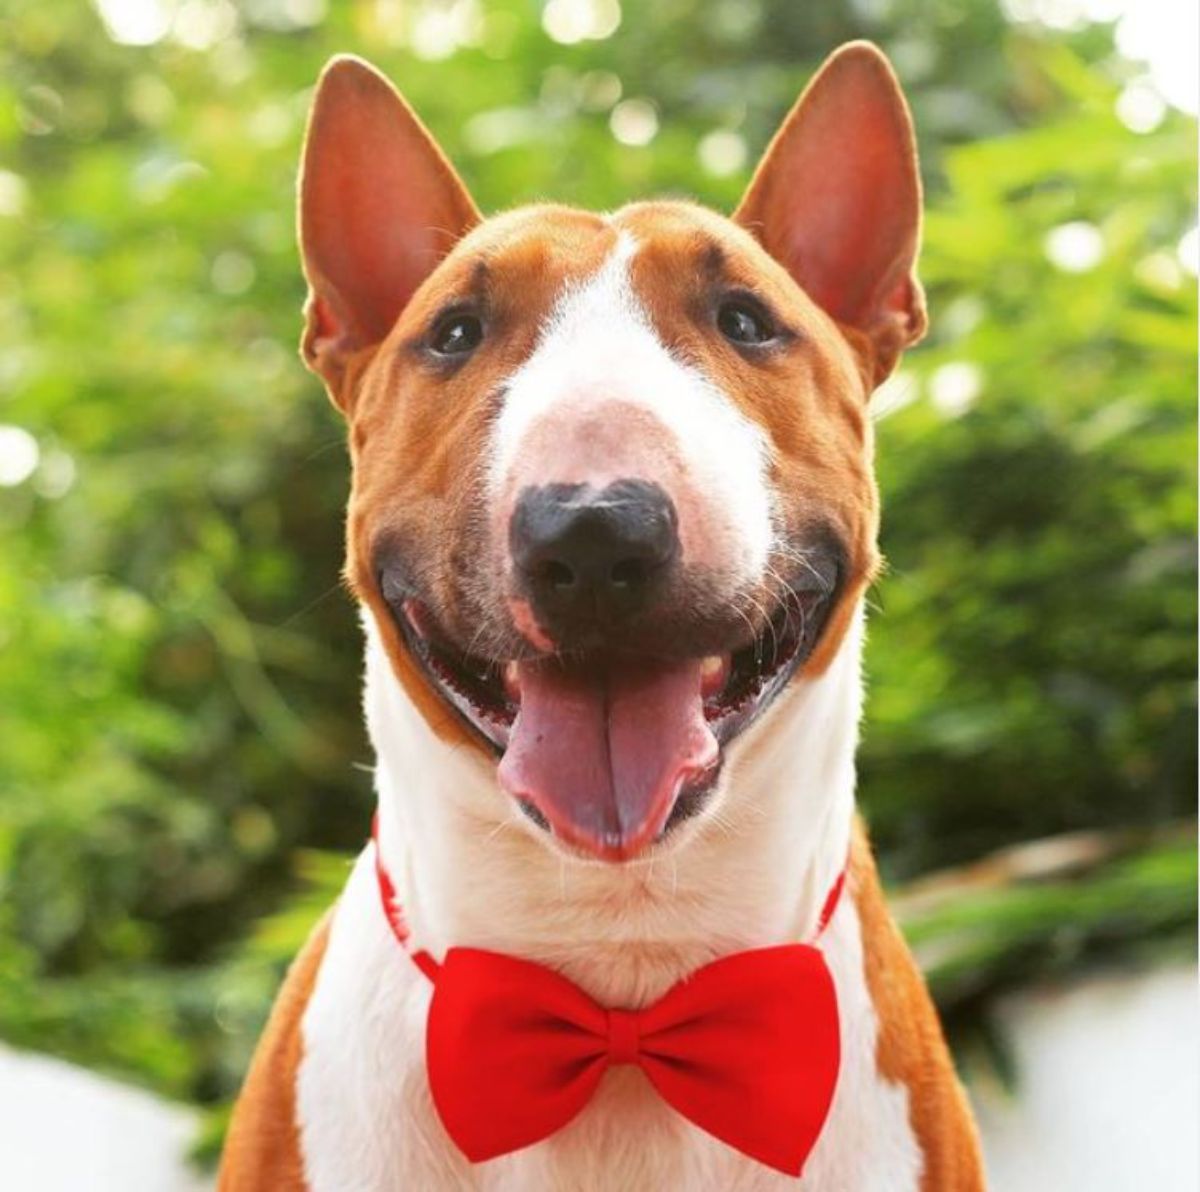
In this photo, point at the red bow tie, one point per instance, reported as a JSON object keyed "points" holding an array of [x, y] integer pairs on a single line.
{"points": [[746, 1048]]}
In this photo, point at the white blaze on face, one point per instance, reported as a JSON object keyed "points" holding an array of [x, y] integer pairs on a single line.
{"points": [[602, 398]]}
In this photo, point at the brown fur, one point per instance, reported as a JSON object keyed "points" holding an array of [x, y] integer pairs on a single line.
{"points": [[912, 1049], [262, 1150]]}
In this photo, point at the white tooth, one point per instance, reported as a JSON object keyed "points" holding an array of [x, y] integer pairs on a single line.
{"points": [[512, 676], [712, 666]]}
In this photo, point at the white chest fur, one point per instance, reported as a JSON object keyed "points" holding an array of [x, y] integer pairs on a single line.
{"points": [[368, 1125]]}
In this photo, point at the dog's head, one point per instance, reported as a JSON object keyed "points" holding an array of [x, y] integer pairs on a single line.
{"points": [[612, 473]]}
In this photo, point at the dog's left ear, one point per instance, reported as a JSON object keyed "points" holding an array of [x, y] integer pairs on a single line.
{"points": [[379, 207], [836, 199]]}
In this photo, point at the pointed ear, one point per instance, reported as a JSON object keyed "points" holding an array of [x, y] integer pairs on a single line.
{"points": [[836, 199], [379, 207]]}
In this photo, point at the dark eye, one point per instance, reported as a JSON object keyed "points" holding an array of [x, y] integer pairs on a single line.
{"points": [[456, 335], [741, 323]]}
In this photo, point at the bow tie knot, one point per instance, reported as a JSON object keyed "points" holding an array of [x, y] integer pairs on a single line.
{"points": [[624, 1037]]}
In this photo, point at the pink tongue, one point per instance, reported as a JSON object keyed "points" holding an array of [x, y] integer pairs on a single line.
{"points": [[603, 753]]}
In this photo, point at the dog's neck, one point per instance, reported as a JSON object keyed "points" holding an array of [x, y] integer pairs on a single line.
{"points": [[756, 873]]}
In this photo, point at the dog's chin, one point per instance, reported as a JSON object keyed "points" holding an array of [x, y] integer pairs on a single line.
{"points": [[731, 692]]}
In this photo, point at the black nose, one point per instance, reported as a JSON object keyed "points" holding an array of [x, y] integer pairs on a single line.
{"points": [[588, 556]]}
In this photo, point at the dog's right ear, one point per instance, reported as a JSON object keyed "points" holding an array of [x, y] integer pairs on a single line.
{"points": [[379, 207], [837, 201]]}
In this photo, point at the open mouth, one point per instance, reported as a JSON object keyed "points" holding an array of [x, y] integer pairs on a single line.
{"points": [[611, 750]]}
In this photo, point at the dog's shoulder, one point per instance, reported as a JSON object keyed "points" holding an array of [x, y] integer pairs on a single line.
{"points": [[263, 1146], [912, 1049]]}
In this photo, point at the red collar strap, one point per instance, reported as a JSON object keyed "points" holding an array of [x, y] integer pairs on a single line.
{"points": [[747, 1048], [394, 912]]}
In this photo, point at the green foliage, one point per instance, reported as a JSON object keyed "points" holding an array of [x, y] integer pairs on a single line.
{"points": [[1034, 665], [179, 724], [973, 936], [1090, 897]]}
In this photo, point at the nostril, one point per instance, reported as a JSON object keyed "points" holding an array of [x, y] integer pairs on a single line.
{"points": [[553, 573]]}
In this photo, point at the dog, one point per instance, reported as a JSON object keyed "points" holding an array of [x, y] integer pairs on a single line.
{"points": [[612, 521]]}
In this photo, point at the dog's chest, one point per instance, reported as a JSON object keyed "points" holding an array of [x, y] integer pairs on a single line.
{"points": [[367, 1123]]}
